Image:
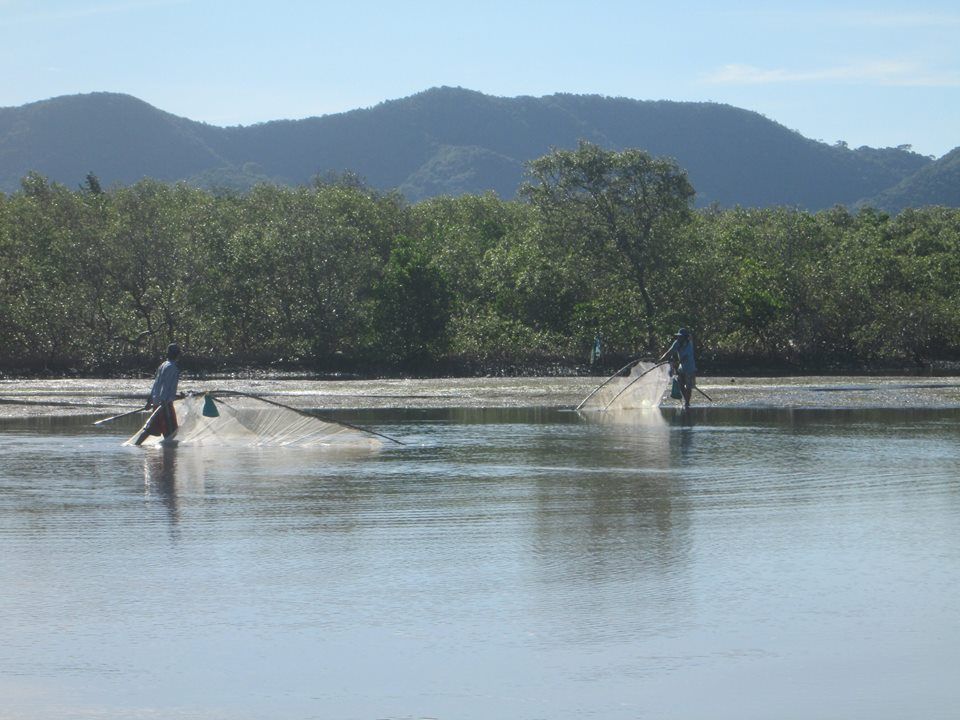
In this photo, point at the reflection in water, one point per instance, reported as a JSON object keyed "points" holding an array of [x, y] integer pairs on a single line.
{"points": [[641, 418], [175, 477], [160, 477], [612, 529], [517, 563]]}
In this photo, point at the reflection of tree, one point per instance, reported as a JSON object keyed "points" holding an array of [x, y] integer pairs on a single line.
{"points": [[614, 525]]}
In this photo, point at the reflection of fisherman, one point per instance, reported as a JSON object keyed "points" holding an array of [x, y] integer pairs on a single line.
{"points": [[160, 478], [682, 363], [163, 420]]}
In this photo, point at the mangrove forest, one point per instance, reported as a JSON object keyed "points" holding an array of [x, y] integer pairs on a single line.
{"points": [[600, 248]]}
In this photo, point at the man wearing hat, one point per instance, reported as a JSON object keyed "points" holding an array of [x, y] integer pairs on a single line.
{"points": [[683, 363], [163, 420]]}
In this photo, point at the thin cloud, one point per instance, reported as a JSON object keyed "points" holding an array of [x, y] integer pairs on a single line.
{"points": [[890, 73], [864, 19], [900, 20]]}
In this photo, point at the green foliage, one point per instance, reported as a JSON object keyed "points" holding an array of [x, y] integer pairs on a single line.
{"points": [[411, 306], [458, 232], [298, 271], [615, 315], [484, 335], [337, 275], [531, 281], [624, 207]]}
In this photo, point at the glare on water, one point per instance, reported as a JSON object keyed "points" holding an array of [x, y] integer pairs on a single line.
{"points": [[789, 551]]}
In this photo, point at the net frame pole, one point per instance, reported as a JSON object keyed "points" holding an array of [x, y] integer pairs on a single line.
{"points": [[317, 416], [603, 384], [121, 415], [629, 384]]}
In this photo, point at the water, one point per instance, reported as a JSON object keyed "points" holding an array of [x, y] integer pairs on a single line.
{"points": [[512, 562]]}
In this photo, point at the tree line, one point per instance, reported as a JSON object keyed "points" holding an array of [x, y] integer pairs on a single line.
{"points": [[339, 277]]}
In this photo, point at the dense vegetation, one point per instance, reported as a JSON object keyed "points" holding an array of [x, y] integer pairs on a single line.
{"points": [[337, 276], [451, 141]]}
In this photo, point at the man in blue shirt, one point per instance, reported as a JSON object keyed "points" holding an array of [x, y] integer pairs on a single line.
{"points": [[683, 363], [163, 420]]}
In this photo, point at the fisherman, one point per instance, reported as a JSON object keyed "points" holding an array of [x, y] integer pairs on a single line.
{"points": [[163, 419], [682, 363], [595, 350]]}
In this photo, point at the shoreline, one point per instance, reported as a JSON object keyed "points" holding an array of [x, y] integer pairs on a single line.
{"points": [[466, 370], [33, 398]]}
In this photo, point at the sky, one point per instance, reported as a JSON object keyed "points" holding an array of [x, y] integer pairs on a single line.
{"points": [[881, 74]]}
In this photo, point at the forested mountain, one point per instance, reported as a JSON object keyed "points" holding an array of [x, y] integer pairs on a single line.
{"points": [[117, 137], [450, 141], [936, 184]]}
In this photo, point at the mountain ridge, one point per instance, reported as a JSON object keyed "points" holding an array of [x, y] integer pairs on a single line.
{"points": [[450, 140]]}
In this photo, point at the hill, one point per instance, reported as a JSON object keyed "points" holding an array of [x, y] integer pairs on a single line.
{"points": [[935, 184], [443, 141], [119, 138]]}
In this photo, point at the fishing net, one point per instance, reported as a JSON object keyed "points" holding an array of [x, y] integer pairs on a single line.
{"points": [[642, 388], [245, 420]]}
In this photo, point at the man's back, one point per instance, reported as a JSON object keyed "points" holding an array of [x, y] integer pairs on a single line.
{"points": [[165, 384]]}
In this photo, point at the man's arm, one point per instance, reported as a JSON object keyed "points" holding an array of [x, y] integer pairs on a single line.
{"points": [[670, 349]]}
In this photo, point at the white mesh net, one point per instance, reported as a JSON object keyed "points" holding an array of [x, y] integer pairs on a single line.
{"points": [[642, 388], [246, 421]]}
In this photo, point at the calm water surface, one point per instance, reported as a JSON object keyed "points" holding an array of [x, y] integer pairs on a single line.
{"points": [[505, 563]]}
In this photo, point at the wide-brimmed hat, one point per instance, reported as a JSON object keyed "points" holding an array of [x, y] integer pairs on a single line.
{"points": [[682, 332]]}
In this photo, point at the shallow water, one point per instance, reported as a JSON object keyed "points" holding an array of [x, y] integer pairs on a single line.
{"points": [[523, 561]]}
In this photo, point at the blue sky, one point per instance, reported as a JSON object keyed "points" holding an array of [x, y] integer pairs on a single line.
{"points": [[878, 73]]}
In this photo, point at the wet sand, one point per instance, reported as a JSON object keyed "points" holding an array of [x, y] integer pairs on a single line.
{"points": [[38, 398]]}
